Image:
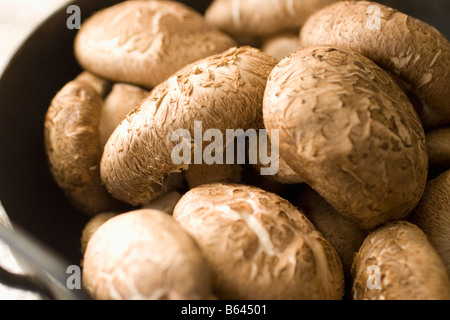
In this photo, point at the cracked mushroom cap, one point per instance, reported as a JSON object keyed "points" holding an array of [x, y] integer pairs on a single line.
{"points": [[261, 18], [349, 132], [259, 246], [145, 42], [409, 267], [403, 45], [139, 154], [432, 215], [144, 255], [72, 143]]}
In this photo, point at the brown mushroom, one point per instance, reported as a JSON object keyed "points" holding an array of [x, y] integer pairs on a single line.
{"points": [[404, 45], [102, 86], [256, 18], [165, 203], [259, 246], [145, 42], [345, 236], [349, 132], [432, 215], [139, 154], [396, 262], [72, 143], [93, 224], [120, 101], [284, 175], [144, 254], [281, 46]]}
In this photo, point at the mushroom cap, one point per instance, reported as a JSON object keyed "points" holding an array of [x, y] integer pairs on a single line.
{"points": [[410, 268], [138, 155], [406, 46], [349, 132], [258, 245], [281, 46], [345, 236], [165, 203], [72, 144], [93, 224], [145, 42], [438, 143], [120, 101], [144, 254], [284, 175], [102, 86], [250, 17], [432, 215]]}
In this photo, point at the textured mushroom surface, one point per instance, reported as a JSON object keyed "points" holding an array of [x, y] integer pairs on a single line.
{"points": [[404, 45], [409, 267], [345, 236], [120, 101], [438, 143], [144, 254], [145, 42], [349, 132], [432, 215], [224, 91], [257, 18], [259, 246], [73, 145]]}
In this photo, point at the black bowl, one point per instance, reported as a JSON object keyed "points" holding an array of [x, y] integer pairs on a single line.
{"points": [[37, 71]]}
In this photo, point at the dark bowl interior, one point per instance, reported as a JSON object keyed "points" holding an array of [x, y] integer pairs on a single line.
{"points": [[37, 71]]}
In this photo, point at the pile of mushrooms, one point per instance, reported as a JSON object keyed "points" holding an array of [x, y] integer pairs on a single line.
{"points": [[359, 207]]}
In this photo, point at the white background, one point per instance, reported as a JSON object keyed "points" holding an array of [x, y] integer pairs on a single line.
{"points": [[17, 20]]}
